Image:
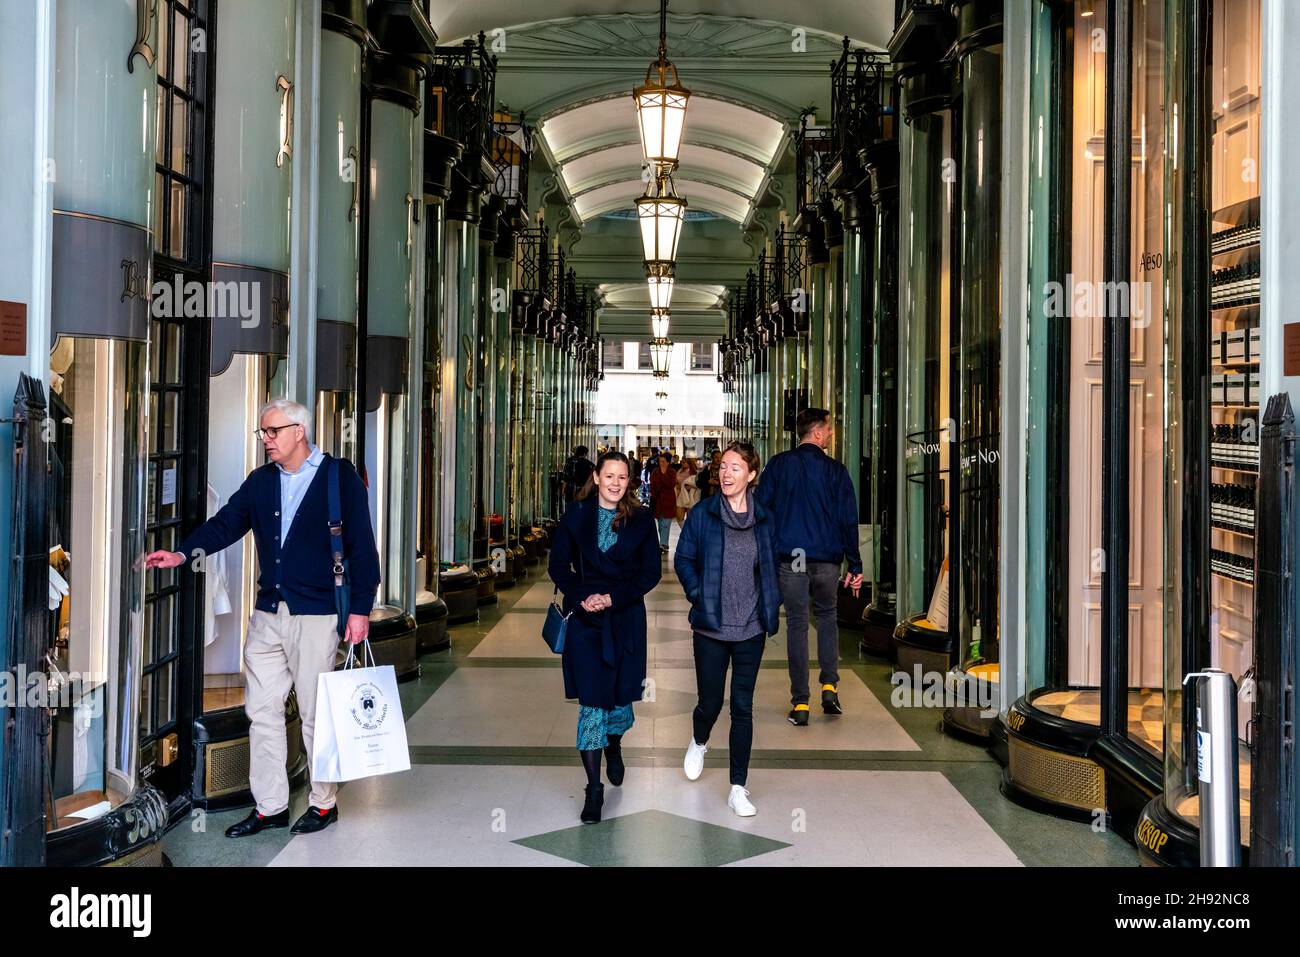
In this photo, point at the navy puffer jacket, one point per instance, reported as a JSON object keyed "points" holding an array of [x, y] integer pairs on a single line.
{"points": [[698, 564]]}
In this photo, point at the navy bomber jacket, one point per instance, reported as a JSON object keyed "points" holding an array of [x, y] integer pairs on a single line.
{"points": [[299, 570], [816, 510]]}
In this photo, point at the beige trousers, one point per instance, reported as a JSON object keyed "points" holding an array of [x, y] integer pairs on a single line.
{"points": [[284, 651]]}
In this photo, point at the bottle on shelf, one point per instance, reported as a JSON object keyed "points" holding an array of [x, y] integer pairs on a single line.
{"points": [[1234, 285]]}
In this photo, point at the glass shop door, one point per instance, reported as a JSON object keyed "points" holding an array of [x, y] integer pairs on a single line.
{"points": [[176, 430]]}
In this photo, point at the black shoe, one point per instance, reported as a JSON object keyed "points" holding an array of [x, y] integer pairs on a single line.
{"points": [[258, 822], [614, 767], [315, 819], [799, 717], [831, 701], [591, 809]]}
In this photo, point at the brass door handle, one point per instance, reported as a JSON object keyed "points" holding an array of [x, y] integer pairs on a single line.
{"points": [[285, 86], [145, 12], [355, 209], [410, 223]]}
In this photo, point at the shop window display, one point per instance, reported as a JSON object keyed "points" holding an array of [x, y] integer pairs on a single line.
{"points": [[925, 406], [978, 375], [1066, 678], [1226, 321], [230, 577], [97, 389]]}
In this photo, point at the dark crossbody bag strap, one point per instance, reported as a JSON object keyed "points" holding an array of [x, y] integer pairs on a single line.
{"points": [[556, 590], [336, 543]]}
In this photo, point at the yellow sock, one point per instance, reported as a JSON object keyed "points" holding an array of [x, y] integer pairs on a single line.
{"points": [[828, 687], [801, 707]]}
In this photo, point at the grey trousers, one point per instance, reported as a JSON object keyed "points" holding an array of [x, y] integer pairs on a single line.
{"points": [[815, 586]]}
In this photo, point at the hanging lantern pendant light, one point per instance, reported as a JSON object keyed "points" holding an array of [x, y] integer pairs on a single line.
{"points": [[659, 283], [661, 352], [661, 105], [661, 118], [661, 214]]}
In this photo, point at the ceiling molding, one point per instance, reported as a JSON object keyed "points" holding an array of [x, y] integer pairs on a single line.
{"points": [[697, 93], [687, 140], [681, 184], [734, 36]]}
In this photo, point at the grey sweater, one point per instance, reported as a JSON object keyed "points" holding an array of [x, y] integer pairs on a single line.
{"points": [[739, 606]]}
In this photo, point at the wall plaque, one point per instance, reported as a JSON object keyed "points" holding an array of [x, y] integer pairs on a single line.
{"points": [[1291, 348], [13, 328]]}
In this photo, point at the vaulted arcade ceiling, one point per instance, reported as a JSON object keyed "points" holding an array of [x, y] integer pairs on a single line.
{"points": [[725, 159], [752, 69]]}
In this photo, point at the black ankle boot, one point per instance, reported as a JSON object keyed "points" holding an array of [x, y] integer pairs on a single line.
{"points": [[591, 809], [614, 764]]}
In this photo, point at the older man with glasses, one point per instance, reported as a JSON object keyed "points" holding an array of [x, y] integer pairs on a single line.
{"points": [[292, 634]]}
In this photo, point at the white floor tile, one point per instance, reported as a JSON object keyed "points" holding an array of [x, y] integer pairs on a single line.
{"points": [[450, 815], [525, 707]]}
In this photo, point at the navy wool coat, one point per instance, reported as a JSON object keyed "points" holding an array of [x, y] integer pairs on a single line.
{"points": [[605, 651]]}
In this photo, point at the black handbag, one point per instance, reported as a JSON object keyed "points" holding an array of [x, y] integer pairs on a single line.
{"points": [[342, 588], [556, 626]]}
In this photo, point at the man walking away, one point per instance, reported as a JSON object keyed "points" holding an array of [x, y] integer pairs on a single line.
{"points": [[816, 512], [293, 633], [577, 469]]}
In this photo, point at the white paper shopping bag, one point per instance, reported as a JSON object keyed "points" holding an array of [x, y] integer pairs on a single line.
{"points": [[360, 730]]}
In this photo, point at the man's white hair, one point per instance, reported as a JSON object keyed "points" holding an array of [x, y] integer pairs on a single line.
{"points": [[295, 412]]}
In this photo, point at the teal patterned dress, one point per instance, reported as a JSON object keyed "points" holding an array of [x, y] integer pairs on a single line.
{"points": [[595, 725]]}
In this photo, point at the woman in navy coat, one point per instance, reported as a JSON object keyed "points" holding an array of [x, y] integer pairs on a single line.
{"points": [[605, 559]]}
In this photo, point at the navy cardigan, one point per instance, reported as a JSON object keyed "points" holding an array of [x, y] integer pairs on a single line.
{"points": [[298, 570]]}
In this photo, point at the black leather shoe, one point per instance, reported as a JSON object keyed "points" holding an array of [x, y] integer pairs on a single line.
{"points": [[315, 819], [595, 799], [831, 702], [799, 717], [258, 822], [614, 767]]}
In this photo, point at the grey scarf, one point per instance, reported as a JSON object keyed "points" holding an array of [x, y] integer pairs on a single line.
{"points": [[739, 608]]}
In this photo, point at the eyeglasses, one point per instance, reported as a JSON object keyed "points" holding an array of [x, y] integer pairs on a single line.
{"points": [[271, 431]]}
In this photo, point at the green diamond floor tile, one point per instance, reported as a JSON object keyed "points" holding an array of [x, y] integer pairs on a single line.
{"points": [[651, 839]]}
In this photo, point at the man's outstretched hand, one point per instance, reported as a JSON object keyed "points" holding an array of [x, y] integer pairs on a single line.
{"points": [[163, 559]]}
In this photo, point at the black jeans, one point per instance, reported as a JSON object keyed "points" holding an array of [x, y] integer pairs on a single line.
{"points": [[711, 659], [816, 586]]}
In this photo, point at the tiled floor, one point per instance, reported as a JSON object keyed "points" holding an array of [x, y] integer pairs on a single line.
{"points": [[495, 779], [1145, 712]]}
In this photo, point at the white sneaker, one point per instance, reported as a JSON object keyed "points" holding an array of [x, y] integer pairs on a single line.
{"points": [[739, 801], [694, 764]]}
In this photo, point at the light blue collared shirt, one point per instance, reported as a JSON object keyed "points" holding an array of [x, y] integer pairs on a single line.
{"points": [[293, 488]]}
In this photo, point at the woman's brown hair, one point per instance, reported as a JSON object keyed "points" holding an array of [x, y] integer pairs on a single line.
{"points": [[746, 452], [626, 505]]}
